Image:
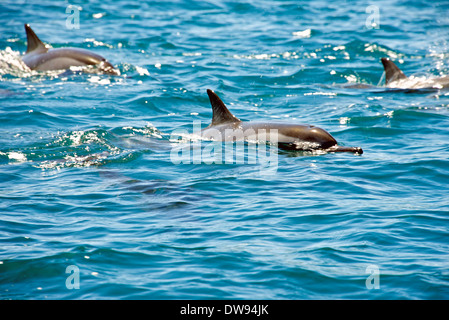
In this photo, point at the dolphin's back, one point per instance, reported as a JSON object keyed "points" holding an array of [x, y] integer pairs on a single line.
{"points": [[306, 136], [226, 127], [62, 58], [39, 57]]}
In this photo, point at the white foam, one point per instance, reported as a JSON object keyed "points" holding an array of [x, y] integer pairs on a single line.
{"points": [[18, 156], [303, 34]]}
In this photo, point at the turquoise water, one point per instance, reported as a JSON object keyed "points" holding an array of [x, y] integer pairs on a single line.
{"points": [[88, 181]]}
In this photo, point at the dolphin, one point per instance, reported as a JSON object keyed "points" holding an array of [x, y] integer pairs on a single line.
{"points": [[39, 57], [227, 127], [395, 78]]}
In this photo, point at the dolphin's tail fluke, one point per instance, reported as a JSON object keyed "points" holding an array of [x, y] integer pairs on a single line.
{"points": [[338, 148], [392, 72]]}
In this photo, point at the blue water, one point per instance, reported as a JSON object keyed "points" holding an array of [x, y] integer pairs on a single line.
{"points": [[88, 181]]}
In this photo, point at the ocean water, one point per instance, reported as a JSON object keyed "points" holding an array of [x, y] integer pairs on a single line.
{"points": [[99, 198]]}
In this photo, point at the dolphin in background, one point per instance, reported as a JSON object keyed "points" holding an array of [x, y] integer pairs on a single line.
{"points": [[227, 127], [395, 78], [39, 57]]}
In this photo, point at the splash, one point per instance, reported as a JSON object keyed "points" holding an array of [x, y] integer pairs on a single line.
{"points": [[11, 64], [417, 82]]}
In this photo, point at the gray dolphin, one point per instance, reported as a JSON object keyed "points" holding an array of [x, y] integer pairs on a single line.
{"points": [[39, 57], [395, 78], [226, 127]]}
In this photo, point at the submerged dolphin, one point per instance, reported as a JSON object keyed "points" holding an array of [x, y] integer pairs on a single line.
{"points": [[39, 57], [395, 78], [226, 127]]}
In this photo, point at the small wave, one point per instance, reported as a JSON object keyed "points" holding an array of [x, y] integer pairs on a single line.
{"points": [[303, 34], [14, 156], [84, 148]]}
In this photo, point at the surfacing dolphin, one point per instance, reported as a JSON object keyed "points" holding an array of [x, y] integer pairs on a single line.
{"points": [[39, 57], [226, 127], [395, 78]]}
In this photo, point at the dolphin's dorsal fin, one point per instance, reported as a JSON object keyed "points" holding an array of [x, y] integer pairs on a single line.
{"points": [[34, 43], [392, 72], [220, 114]]}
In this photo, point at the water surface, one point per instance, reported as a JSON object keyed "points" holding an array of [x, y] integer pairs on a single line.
{"points": [[87, 178]]}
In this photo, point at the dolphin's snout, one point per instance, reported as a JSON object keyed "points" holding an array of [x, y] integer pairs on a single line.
{"points": [[338, 148]]}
